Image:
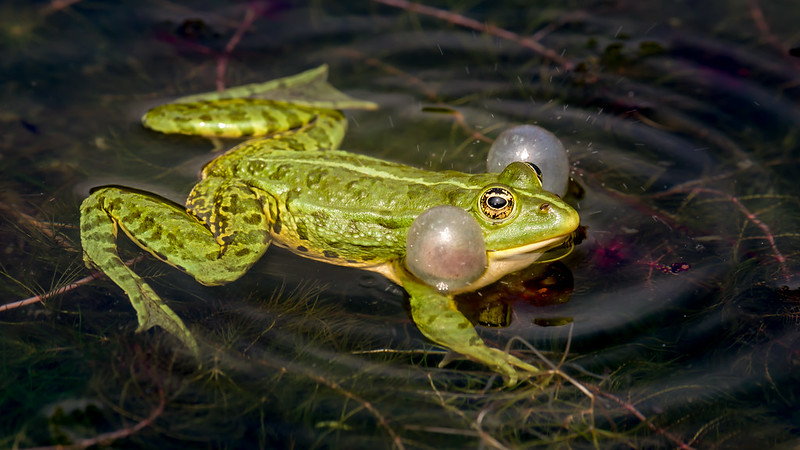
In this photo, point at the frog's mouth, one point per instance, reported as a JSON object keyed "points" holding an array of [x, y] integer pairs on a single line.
{"points": [[503, 262], [526, 252]]}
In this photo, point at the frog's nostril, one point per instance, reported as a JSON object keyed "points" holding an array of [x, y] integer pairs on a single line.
{"points": [[544, 207]]}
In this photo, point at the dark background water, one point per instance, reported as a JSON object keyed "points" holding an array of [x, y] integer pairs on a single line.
{"points": [[676, 317]]}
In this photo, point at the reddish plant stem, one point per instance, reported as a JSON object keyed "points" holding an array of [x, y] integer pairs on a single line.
{"points": [[58, 5], [475, 134], [222, 60], [636, 413], [42, 297], [61, 290], [757, 14], [392, 70], [107, 438], [755, 221], [490, 29]]}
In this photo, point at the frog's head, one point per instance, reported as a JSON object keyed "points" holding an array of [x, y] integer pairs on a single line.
{"points": [[520, 220]]}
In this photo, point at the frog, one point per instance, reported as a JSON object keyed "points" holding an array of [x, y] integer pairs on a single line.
{"points": [[288, 184]]}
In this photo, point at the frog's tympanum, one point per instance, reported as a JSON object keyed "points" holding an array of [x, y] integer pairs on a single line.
{"points": [[289, 185]]}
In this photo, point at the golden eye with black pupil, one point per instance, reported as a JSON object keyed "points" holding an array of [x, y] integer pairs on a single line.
{"points": [[497, 203], [535, 169], [544, 207]]}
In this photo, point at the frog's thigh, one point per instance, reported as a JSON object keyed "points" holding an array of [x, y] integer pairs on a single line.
{"points": [[180, 239], [236, 230], [324, 133]]}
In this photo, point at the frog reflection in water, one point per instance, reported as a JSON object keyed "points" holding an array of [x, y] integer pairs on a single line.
{"points": [[289, 185]]}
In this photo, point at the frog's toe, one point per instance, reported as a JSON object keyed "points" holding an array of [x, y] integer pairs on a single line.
{"points": [[152, 311], [508, 372], [512, 368]]}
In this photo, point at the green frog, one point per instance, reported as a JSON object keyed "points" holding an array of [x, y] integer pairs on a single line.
{"points": [[289, 185]]}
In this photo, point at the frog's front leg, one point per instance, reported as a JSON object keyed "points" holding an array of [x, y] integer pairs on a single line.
{"points": [[436, 315], [221, 233]]}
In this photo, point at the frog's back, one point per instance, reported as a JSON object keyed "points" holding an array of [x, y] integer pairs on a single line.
{"points": [[343, 207], [342, 180]]}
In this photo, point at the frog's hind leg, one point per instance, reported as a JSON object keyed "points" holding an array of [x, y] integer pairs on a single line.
{"points": [[437, 317], [213, 254], [324, 132], [299, 127]]}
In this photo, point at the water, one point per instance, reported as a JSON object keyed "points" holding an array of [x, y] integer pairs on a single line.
{"points": [[676, 314]]}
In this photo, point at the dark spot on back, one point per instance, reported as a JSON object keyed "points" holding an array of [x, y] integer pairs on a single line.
{"points": [[417, 191], [320, 217], [330, 254], [300, 248], [302, 232], [156, 235], [147, 224], [253, 219], [173, 240], [315, 177], [279, 173], [237, 115]]}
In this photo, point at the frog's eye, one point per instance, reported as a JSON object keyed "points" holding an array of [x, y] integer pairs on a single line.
{"points": [[496, 203], [535, 169]]}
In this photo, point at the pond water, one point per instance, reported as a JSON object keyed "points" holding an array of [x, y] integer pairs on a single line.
{"points": [[673, 321]]}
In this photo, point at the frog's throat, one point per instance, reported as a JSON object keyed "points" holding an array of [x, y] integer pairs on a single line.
{"points": [[501, 263]]}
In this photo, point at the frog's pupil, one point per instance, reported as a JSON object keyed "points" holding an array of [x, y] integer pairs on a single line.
{"points": [[496, 202], [535, 169]]}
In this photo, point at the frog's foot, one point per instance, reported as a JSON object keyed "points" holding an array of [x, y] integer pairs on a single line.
{"points": [[152, 311], [510, 367], [436, 315]]}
